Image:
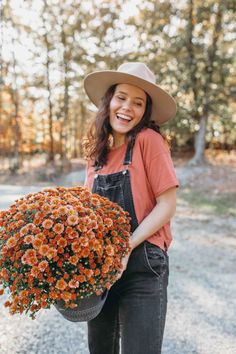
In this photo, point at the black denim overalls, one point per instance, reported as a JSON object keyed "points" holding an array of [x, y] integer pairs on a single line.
{"points": [[135, 308], [117, 187]]}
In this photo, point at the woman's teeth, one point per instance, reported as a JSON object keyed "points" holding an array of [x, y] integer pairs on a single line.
{"points": [[123, 117]]}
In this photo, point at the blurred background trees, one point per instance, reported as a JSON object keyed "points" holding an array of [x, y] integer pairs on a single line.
{"points": [[48, 46]]}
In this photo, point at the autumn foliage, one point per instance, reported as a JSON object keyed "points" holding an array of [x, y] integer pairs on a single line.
{"points": [[60, 244]]}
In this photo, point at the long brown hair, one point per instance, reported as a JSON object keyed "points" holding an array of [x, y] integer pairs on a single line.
{"points": [[97, 142]]}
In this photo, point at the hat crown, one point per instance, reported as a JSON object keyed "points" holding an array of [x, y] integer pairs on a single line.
{"points": [[138, 69]]}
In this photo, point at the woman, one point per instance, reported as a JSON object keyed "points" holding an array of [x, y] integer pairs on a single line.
{"points": [[130, 163]]}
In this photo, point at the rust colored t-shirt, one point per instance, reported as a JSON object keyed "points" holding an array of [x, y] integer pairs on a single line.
{"points": [[152, 173]]}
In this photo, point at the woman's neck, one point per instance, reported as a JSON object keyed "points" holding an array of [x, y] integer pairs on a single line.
{"points": [[118, 140]]}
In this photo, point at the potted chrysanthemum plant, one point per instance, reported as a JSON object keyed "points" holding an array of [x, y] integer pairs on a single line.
{"points": [[62, 247]]}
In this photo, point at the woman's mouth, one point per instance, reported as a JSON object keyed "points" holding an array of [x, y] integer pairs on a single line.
{"points": [[123, 118]]}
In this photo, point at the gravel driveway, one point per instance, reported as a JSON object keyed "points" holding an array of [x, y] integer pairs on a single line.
{"points": [[202, 302]]}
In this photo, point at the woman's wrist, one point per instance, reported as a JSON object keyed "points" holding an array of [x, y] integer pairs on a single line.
{"points": [[132, 242]]}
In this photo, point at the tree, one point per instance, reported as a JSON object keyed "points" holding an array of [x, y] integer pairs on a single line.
{"points": [[189, 46]]}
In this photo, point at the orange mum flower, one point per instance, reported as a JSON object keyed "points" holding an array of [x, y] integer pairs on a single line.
{"points": [[53, 295], [96, 245], [84, 241], [116, 240], [58, 228], [40, 236], [109, 261], [23, 230], [62, 210], [7, 304], [35, 272], [46, 208], [72, 220], [11, 242], [73, 260], [105, 268], [28, 239], [110, 250], [23, 207], [82, 228], [30, 253], [32, 261], [66, 296], [73, 283], [43, 250], [81, 278], [43, 265], [44, 304], [62, 242], [51, 253], [47, 224], [72, 235], [61, 284], [108, 222], [37, 243], [88, 273], [85, 252], [121, 220], [75, 246]]}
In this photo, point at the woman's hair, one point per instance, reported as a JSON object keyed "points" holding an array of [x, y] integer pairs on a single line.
{"points": [[98, 140]]}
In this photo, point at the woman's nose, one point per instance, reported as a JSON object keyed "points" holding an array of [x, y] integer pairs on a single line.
{"points": [[126, 104]]}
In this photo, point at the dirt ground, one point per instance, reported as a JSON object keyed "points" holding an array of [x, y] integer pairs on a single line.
{"points": [[201, 296]]}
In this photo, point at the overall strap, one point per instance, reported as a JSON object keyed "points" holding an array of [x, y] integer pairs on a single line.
{"points": [[97, 167], [127, 159], [129, 153]]}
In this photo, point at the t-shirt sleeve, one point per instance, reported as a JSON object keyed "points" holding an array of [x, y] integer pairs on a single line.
{"points": [[159, 165], [161, 174]]}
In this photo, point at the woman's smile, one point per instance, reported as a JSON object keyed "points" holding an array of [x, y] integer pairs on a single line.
{"points": [[123, 118]]}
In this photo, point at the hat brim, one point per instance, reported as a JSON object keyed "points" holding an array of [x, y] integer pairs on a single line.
{"points": [[97, 83]]}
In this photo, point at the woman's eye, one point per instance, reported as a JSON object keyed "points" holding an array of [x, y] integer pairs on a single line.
{"points": [[121, 98], [138, 104]]}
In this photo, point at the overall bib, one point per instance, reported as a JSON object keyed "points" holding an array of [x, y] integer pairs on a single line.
{"points": [[117, 187], [135, 308]]}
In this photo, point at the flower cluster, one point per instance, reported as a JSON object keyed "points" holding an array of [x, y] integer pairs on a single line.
{"points": [[60, 244]]}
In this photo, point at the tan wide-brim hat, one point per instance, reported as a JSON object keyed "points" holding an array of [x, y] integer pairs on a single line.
{"points": [[138, 74]]}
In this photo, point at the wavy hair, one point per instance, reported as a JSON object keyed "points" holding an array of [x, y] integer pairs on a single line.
{"points": [[98, 141]]}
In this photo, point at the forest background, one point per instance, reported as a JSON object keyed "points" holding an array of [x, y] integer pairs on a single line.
{"points": [[48, 46]]}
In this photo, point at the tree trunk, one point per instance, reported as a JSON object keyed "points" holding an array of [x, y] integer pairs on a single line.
{"points": [[50, 118], [200, 143], [82, 127], [200, 137], [16, 160], [51, 156], [65, 127]]}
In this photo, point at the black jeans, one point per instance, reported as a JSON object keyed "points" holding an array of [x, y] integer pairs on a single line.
{"points": [[135, 309]]}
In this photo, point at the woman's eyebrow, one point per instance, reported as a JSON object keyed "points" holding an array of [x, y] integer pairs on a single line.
{"points": [[124, 93]]}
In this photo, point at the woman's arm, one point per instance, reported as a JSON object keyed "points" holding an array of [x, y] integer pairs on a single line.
{"points": [[159, 216]]}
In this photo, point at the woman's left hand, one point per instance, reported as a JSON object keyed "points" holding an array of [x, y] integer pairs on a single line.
{"points": [[124, 263]]}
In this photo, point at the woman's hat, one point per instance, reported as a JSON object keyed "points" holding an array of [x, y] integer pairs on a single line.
{"points": [[138, 74]]}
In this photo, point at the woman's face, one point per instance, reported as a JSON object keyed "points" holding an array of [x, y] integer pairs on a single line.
{"points": [[127, 108]]}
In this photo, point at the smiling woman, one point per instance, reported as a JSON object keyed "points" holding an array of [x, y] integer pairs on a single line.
{"points": [[129, 163]]}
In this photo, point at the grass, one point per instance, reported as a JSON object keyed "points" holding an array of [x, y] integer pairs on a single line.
{"points": [[204, 201]]}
